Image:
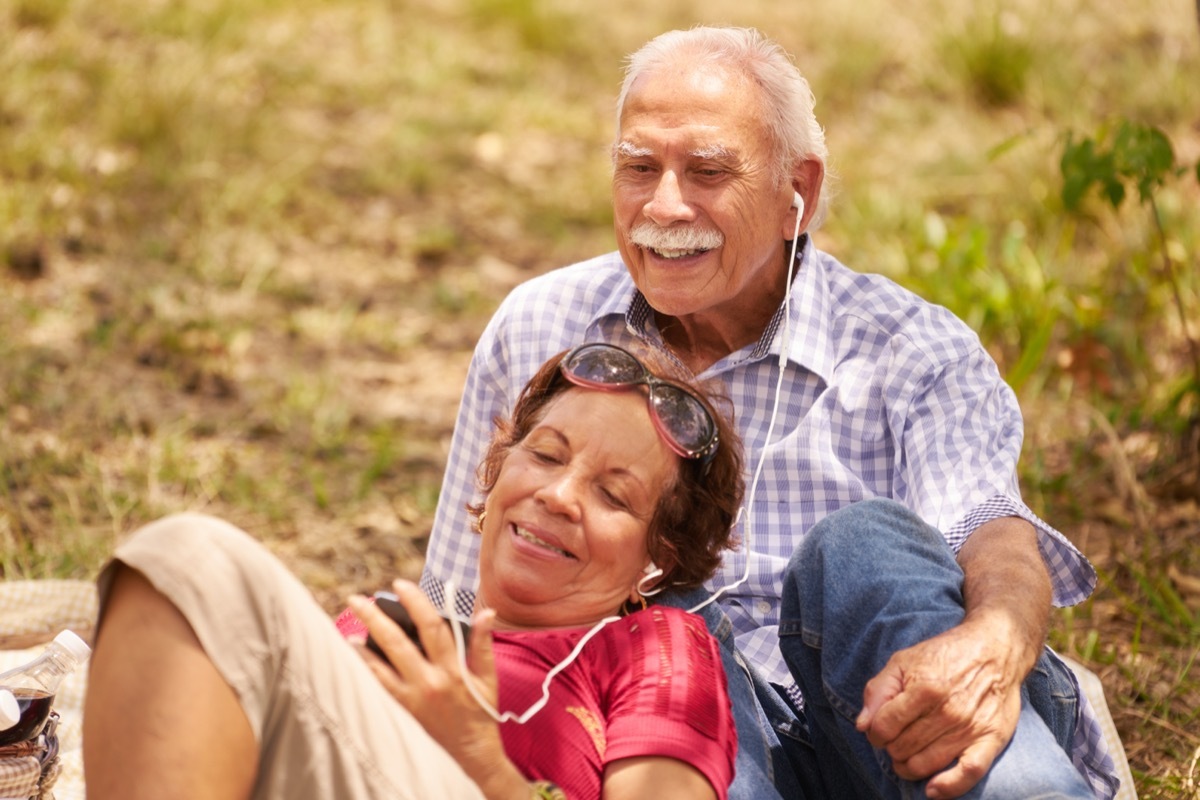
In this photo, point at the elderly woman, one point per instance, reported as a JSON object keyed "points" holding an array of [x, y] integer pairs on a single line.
{"points": [[216, 675]]}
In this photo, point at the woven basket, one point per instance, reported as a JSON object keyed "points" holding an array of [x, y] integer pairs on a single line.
{"points": [[28, 770]]}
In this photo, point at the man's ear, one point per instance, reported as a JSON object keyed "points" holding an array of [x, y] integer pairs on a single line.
{"points": [[807, 179]]}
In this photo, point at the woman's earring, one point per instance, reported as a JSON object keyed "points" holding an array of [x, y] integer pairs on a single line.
{"points": [[628, 607], [479, 521], [652, 572]]}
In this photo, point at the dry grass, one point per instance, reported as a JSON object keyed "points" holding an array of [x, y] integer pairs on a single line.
{"points": [[246, 247]]}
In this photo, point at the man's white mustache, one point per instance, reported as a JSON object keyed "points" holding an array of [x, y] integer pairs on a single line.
{"points": [[651, 237]]}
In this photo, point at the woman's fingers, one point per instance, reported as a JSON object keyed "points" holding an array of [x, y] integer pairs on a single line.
{"points": [[480, 656], [401, 652], [436, 636]]}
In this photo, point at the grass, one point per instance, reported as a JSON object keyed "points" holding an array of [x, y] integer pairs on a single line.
{"points": [[246, 247]]}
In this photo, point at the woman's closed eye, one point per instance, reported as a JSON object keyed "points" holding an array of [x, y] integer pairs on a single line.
{"points": [[614, 498], [544, 456]]}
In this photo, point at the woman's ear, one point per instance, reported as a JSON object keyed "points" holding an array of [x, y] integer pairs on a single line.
{"points": [[477, 523]]}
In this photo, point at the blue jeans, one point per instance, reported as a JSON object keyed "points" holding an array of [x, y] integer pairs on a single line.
{"points": [[884, 581]]}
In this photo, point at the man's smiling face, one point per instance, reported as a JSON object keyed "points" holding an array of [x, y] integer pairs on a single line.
{"points": [[699, 209]]}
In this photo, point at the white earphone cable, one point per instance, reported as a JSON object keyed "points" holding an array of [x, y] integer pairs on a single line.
{"points": [[784, 348], [460, 647]]}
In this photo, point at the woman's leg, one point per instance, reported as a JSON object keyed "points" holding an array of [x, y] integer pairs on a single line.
{"points": [[159, 720], [320, 724]]}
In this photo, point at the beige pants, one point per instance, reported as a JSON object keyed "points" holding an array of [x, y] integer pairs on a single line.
{"points": [[325, 727]]}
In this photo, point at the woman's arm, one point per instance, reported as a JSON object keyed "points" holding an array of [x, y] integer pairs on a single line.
{"points": [[657, 777]]}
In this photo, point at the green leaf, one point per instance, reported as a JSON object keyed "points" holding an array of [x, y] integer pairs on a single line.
{"points": [[1114, 190], [1143, 154], [1078, 167]]}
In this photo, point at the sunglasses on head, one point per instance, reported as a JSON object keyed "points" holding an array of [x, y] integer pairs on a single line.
{"points": [[681, 418]]}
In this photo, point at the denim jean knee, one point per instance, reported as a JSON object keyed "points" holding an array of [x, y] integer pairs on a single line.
{"points": [[1054, 694], [830, 579]]}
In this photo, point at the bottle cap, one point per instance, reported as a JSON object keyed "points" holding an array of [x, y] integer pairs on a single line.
{"points": [[74, 645], [10, 712]]}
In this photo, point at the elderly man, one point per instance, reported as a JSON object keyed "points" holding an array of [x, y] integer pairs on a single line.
{"points": [[892, 592]]}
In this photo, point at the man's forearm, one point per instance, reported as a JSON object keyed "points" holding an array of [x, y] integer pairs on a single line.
{"points": [[1006, 586]]}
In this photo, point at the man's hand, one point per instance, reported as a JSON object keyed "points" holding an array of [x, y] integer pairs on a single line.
{"points": [[946, 707], [956, 696]]}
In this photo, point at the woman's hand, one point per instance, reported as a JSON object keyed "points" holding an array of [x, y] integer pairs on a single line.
{"points": [[434, 690]]}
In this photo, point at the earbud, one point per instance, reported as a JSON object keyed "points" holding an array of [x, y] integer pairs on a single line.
{"points": [[798, 203], [650, 573]]}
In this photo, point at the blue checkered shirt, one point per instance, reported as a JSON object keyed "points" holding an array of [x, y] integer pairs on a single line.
{"points": [[884, 395]]}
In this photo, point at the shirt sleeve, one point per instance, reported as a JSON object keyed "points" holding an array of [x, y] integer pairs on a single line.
{"points": [[961, 433], [453, 551], [672, 701]]}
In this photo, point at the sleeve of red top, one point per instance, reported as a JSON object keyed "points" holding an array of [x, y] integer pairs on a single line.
{"points": [[672, 700]]}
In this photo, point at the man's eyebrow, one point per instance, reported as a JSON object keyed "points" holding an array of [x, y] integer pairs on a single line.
{"points": [[718, 152], [629, 150], [714, 151]]}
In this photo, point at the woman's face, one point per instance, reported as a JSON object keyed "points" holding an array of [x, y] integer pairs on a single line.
{"points": [[564, 539]]}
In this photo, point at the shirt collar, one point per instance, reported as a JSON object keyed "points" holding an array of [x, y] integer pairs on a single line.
{"points": [[626, 301], [811, 316], [808, 321]]}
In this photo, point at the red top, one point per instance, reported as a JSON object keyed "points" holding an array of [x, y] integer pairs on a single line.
{"points": [[650, 684]]}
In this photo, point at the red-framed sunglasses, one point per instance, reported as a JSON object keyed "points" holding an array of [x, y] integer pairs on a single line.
{"points": [[680, 416]]}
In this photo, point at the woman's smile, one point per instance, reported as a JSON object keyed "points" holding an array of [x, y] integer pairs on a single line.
{"points": [[537, 541]]}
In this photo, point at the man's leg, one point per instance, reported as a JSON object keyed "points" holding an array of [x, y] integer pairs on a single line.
{"points": [[869, 581]]}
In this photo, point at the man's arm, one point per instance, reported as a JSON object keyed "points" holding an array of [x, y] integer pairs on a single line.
{"points": [[452, 554], [948, 706], [1005, 581]]}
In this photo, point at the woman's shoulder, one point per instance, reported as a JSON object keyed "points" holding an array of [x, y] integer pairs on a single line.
{"points": [[664, 629], [642, 643]]}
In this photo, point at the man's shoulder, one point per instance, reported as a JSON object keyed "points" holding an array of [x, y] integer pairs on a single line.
{"points": [[593, 279], [873, 304], [550, 312]]}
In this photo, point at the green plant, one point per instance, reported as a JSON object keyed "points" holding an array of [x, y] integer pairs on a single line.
{"points": [[1140, 155], [995, 61]]}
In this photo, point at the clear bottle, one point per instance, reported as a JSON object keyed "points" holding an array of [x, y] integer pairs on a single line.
{"points": [[34, 684]]}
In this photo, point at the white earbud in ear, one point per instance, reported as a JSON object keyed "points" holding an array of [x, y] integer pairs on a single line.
{"points": [[798, 203], [648, 574]]}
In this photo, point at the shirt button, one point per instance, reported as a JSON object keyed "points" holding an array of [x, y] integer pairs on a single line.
{"points": [[763, 607]]}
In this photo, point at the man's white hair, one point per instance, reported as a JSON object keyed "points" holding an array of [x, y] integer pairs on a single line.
{"points": [[787, 99]]}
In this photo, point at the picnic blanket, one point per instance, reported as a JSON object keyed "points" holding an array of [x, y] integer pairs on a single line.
{"points": [[31, 614]]}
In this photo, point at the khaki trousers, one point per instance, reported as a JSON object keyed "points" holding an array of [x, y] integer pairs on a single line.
{"points": [[325, 727]]}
